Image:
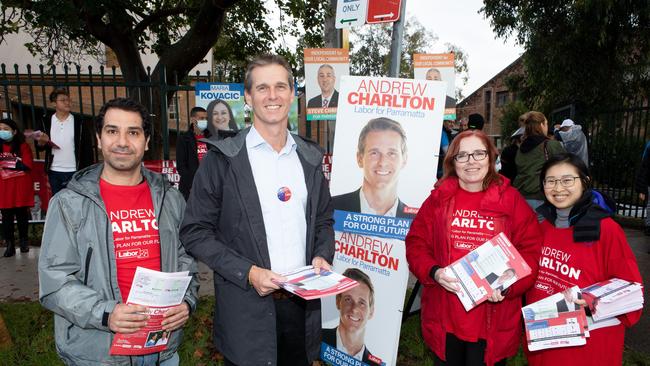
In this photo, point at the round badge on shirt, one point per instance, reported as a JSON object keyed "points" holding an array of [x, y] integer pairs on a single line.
{"points": [[284, 194]]}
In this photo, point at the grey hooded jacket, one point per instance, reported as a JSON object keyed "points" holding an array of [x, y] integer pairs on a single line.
{"points": [[77, 271], [224, 228], [575, 141]]}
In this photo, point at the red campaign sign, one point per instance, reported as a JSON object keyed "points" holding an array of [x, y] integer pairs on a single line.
{"points": [[327, 166], [383, 11], [165, 167]]}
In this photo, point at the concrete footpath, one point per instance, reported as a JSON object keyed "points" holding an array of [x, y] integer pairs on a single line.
{"points": [[19, 282]]}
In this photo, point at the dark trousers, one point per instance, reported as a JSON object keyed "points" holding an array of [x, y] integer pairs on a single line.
{"points": [[21, 214], [461, 353], [58, 180], [290, 332]]}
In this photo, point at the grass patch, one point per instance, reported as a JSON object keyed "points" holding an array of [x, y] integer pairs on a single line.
{"points": [[31, 329]]}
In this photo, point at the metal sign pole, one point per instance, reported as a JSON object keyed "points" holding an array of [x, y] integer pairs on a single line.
{"points": [[396, 43]]}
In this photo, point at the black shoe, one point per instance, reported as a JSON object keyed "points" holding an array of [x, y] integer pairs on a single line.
{"points": [[11, 250], [24, 245]]}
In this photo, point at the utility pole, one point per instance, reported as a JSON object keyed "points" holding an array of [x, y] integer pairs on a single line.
{"points": [[396, 43]]}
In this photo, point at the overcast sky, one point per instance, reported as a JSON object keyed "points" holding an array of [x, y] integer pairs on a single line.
{"points": [[458, 22]]}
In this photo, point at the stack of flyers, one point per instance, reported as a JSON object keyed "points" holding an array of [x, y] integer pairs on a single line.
{"points": [[158, 291], [8, 161], [607, 299], [495, 265], [305, 283], [556, 321]]}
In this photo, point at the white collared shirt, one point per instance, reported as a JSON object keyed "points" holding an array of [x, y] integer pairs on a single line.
{"points": [[62, 134], [366, 209], [341, 347], [284, 221]]}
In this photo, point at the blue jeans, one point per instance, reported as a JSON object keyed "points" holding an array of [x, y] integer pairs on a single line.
{"points": [[151, 359], [58, 180]]}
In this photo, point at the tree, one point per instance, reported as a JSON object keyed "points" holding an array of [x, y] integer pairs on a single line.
{"points": [[594, 54], [179, 32], [370, 50]]}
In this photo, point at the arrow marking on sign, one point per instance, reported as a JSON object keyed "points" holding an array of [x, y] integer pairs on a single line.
{"points": [[348, 20], [380, 16]]}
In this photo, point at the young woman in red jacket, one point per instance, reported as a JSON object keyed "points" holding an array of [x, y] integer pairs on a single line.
{"points": [[469, 205], [582, 245], [16, 185]]}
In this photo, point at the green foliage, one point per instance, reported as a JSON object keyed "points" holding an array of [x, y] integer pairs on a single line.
{"points": [[591, 53], [370, 50], [510, 116]]}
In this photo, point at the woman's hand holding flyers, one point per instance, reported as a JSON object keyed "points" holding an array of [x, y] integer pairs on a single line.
{"points": [[448, 283]]}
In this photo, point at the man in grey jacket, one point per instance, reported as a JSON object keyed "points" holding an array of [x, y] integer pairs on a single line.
{"points": [[260, 206], [573, 139], [112, 218]]}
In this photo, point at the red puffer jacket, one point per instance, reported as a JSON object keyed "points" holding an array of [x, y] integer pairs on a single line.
{"points": [[428, 244]]}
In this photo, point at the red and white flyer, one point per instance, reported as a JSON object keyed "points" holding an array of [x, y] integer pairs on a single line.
{"points": [[305, 283], [556, 321], [158, 291], [496, 264], [607, 299]]}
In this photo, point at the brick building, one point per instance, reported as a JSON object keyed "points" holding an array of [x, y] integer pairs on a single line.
{"points": [[491, 97]]}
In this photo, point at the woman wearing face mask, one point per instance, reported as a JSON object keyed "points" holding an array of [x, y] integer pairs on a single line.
{"points": [[593, 248], [190, 150], [220, 117], [470, 204], [16, 185]]}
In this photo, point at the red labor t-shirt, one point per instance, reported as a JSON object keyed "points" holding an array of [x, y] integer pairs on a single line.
{"points": [[201, 148], [135, 231], [467, 231]]}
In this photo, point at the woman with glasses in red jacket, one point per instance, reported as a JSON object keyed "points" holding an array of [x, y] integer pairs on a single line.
{"points": [[470, 204]]}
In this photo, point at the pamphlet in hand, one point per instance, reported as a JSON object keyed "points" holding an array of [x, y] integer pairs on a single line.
{"points": [[305, 283], [495, 265], [8, 160], [556, 321], [37, 135], [158, 291], [607, 299]]}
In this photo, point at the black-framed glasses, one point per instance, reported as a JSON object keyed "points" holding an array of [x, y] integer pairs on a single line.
{"points": [[478, 155], [566, 181]]}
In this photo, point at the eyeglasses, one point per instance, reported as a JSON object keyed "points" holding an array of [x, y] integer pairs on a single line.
{"points": [[478, 155], [566, 182]]}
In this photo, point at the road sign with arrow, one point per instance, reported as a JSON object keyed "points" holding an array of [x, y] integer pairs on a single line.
{"points": [[350, 13], [383, 11]]}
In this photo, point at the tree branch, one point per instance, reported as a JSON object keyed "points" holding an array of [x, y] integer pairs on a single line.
{"points": [[160, 14]]}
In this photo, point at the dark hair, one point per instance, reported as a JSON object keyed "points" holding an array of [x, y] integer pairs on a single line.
{"points": [[196, 110], [18, 138], [58, 91], [565, 158], [232, 124], [475, 121], [380, 124], [449, 165], [266, 60], [125, 104], [359, 276]]}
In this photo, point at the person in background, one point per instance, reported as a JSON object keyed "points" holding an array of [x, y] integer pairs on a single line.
{"points": [[470, 190], [573, 139], [534, 150], [190, 150], [642, 184], [594, 248], [16, 185], [475, 121], [462, 125], [66, 140], [508, 154]]}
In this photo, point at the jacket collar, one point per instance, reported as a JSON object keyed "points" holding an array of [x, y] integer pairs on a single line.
{"points": [[231, 147], [86, 183], [448, 187]]}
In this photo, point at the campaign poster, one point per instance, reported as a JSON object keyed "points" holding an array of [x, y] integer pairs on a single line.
{"points": [[438, 66], [228, 106], [166, 168], [324, 68], [383, 168]]}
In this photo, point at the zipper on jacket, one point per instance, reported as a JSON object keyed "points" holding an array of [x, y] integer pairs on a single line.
{"points": [[89, 255]]}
